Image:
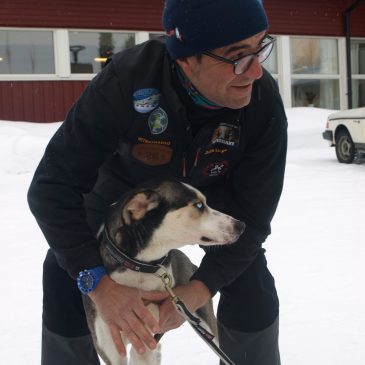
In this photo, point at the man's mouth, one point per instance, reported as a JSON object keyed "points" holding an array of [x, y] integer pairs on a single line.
{"points": [[247, 86]]}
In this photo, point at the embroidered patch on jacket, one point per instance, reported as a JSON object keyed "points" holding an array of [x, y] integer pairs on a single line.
{"points": [[152, 154], [149, 141], [158, 121], [216, 168], [209, 151], [226, 134], [145, 100]]}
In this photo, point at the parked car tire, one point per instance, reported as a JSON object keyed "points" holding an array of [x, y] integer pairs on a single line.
{"points": [[345, 149]]}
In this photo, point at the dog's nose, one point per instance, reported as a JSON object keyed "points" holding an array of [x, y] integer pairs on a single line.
{"points": [[239, 227]]}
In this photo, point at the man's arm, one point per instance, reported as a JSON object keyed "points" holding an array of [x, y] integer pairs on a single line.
{"points": [[221, 267], [251, 194], [67, 171]]}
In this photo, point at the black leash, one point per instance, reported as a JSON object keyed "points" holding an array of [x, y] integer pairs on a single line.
{"points": [[191, 319], [160, 271]]}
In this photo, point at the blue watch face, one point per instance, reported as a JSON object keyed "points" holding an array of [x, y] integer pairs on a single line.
{"points": [[87, 281]]}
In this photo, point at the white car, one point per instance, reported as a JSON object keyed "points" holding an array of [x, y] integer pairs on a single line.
{"points": [[346, 131]]}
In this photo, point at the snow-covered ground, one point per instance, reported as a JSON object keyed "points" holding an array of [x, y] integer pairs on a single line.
{"points": [[316, 253]]}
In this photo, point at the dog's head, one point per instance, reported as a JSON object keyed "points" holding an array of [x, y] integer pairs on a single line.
{"points": [[151, 221]]}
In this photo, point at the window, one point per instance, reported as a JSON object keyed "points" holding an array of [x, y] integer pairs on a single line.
{"points": [[314, 56], [358, 93], [315, 72], [26, 52], [358, 72], [156, 35], [316, 92], [90, 50], [358, 57]]}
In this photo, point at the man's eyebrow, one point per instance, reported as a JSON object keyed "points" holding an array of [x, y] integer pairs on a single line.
{"points": [[242, 46]]}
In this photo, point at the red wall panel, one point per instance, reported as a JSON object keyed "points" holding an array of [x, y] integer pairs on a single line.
{"points": [[310, 17], [38, 101], [314, 17], [96, 14]]}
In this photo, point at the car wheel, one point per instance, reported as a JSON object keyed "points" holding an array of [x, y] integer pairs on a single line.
{"points": [[345, 149]]}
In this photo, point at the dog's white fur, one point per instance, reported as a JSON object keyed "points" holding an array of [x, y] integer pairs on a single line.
{"points": [[194, 223], [104, 339]]}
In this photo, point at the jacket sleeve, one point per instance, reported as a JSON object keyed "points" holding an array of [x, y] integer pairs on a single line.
{"points": [[250, 194], [69, 169]]}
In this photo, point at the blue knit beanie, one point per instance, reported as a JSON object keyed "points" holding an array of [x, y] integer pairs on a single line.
{"points": [[195, 26]]}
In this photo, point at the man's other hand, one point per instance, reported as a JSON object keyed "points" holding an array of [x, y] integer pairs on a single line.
{"points": [[194, 295]]}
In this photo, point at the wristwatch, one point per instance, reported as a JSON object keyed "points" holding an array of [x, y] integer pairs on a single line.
{"points": [[89, 279]]}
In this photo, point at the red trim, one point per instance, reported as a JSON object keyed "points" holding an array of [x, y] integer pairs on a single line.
{"points": [[310, 17], [38, 101]]}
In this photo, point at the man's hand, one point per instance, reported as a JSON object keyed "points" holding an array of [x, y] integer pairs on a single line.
{"points": [[194, 295], [123, 309]]}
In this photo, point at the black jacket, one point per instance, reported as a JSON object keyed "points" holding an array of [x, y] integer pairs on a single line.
{"points": [[130, 125]]}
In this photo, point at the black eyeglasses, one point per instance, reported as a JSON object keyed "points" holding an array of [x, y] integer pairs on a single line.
{"points": [[242, 64]]}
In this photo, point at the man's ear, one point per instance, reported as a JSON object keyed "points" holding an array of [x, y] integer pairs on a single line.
{"points": [[190, 66], [139, 205]]}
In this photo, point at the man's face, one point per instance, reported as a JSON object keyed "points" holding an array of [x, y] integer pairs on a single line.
{"points": [[217, 81]]}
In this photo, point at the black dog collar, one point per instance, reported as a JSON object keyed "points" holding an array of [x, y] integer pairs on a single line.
{"points": [[129, 263]]}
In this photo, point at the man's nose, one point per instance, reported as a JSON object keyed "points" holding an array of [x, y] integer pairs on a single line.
{"points": [[254, 72]]}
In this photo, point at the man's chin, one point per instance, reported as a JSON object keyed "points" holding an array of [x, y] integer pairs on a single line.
{"points": [[241, 96], [239, 104]]}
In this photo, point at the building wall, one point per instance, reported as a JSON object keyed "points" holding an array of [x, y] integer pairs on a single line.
{"points": [[43, 101], [310, 17], [38, 101], [313, 17], [95, 14]]}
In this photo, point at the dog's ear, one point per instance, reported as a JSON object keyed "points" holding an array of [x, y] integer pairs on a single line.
{"points": [[139, 205]]}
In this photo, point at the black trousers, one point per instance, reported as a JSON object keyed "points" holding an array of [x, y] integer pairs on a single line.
{"points": [[251, 348]]}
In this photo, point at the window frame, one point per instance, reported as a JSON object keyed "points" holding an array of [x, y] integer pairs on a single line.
{"points": [[61, 54], [31, 77], [357, 77], [317, 76], [89, 76], [285, 76]]}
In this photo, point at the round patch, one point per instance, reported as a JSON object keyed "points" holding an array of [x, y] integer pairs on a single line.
{"points": [[158, 121], [145, 100], [216, 168]]}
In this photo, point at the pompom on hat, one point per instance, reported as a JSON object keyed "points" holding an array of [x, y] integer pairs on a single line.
{"points": [[195, 26]]}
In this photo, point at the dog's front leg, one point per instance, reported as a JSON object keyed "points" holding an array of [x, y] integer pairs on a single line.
{"points": [[105, 345], [150, 357]]}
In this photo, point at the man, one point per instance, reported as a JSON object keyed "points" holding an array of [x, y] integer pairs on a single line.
{"points": [[197, 107]]}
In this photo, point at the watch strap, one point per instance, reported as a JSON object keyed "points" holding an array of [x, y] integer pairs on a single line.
{"points": [[95, 274]]}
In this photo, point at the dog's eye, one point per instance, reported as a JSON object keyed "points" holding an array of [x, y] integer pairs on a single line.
{"points": [[199, 206]]}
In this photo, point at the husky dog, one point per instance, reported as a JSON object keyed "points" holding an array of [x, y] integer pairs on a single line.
{"points": [[148, 224]]}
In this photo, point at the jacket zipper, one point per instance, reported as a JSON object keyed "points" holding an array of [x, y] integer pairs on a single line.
{"points": [[184, 163], [184, 166], [197, 156]]}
